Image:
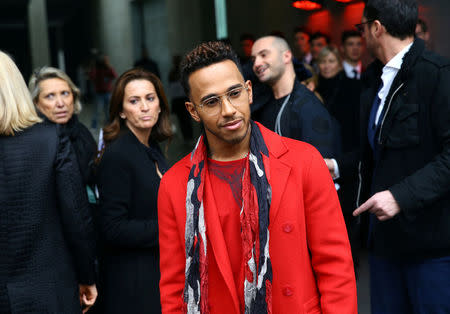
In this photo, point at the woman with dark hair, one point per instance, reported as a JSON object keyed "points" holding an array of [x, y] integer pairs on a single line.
{"points": [[129, 173], [46, 232]]}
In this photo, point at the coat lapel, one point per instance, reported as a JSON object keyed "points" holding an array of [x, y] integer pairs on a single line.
{"points": [[278, 171]]}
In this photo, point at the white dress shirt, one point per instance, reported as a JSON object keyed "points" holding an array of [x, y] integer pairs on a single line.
{"points": [[390, 71], [349, 69]]}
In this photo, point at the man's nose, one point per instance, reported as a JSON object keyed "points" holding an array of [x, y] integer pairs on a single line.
{"points": [[227, 107]]}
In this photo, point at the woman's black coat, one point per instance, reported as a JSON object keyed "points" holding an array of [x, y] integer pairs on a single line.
{"points": [[84, 146], [129, 263], [46, 233], [341, 97]]}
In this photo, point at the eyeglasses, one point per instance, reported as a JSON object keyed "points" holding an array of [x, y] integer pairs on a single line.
{"points": [[235, 96], [360, 26]]}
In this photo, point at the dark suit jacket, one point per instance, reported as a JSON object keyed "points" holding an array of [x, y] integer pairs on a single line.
{"points": [[46, 234], [128, 221]]}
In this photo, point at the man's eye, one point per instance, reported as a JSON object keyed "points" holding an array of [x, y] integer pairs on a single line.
{"points": [[235, 93], [211, 102]]}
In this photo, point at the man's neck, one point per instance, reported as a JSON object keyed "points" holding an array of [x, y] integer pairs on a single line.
{"points": [[222, 151], [391, 46], [284, 85]]}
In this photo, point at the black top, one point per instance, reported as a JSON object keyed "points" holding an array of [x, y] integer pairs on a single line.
{"points": [[46, 233], [128, 185], [268, 116], [84, 146]]}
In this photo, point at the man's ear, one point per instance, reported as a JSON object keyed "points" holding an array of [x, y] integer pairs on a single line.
{"points": [[287, 56], [249, 91], [379, 29], [192, 111]]}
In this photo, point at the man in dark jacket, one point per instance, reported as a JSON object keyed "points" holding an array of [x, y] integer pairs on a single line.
{"points": [[290, 109], [405, 163]]}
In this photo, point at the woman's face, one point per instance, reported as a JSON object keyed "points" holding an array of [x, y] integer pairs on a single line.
{"points": [[329, 66], [55, 100], [140, 106]]}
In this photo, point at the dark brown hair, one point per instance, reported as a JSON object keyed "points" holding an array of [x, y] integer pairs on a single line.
{"points": [[161, 131], [204, 55]]}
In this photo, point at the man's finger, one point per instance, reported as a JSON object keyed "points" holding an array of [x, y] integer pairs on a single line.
{"points": [[366, 206]]}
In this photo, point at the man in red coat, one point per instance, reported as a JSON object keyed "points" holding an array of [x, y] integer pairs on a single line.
{"points": [[249, 222]]}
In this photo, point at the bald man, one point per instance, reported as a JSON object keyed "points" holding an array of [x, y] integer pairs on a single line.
{"points": [[291, 110]]}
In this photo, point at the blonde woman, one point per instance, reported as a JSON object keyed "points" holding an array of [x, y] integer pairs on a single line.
{"points": [[46, 235], [57, 98]]}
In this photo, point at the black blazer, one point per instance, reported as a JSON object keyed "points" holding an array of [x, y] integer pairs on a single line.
{"points": [[46, 234], [129, 263]]}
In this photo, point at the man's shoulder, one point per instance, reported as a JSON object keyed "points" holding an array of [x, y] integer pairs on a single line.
{"points": [[287, 148], [435, 59]]}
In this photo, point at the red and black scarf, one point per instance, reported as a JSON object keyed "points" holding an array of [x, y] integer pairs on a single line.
{"points": [[254, 217]]}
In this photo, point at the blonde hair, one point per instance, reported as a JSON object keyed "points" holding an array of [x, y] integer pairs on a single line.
{"points": [[326, 51], [44, 73], [17, 111]]}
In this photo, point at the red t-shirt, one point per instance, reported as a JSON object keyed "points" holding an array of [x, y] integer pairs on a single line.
{"points": [[226, 182]]}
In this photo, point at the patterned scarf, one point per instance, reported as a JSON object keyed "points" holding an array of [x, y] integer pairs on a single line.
{"points": [[254, 217]]}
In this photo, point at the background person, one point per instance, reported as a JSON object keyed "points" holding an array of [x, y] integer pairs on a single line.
{"points": [[341, 98], [128, 179], [58, 99], [351, 50], [102, 75], [46, 237]]}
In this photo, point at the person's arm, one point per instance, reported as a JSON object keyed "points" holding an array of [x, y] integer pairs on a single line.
{"points": [[428, 184], [74, 209], [328, 241], [318, 127], [172, 253], [115, 186]]}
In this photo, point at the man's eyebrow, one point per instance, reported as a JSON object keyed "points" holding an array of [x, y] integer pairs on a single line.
{"points": [[214, 95], [262, 51]]}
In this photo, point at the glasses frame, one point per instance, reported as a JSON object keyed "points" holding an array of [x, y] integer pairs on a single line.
{"points": [[220, 96], [360, 26]]}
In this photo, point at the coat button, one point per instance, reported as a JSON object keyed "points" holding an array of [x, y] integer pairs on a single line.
{"points": [[287, 292], [288, 227]]}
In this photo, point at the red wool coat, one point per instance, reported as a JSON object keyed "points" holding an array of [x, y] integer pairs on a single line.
{"points": [[310, 253]]}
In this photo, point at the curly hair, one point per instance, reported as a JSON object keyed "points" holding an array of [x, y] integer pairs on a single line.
{"points": [[204, 55]]}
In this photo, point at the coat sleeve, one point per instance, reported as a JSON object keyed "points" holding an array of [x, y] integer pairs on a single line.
{"points": [[75, 214], [431, 182], [172, 252], [318, 127], [115, 186], [327, 241]]}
